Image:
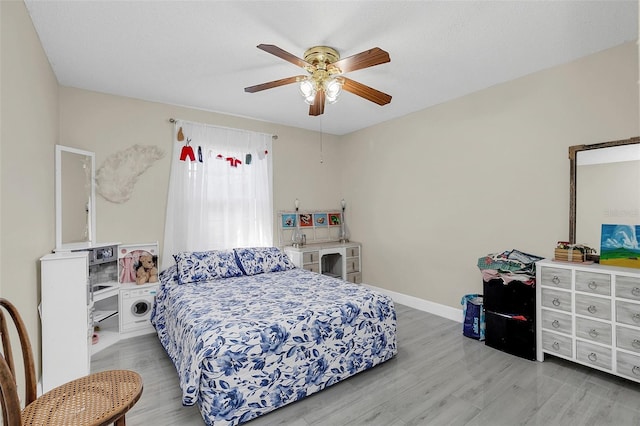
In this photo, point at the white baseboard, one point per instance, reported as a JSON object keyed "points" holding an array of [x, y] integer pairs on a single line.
{"points": [[421, 304]]}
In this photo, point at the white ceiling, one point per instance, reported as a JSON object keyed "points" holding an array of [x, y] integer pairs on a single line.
{"points": [[201, 54]]}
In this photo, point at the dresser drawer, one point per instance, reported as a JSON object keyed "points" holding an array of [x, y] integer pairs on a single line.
{"points": [[353, 251], [311, 257], [628, 338], [556, 277], [556, 321], [556, 343], [628, 287], [313, 267], [628, 365], [596, 307], [593, 355], [592, 282], [355, 277], [628, 313], [353, 265], [556, 299], [593, 330]]}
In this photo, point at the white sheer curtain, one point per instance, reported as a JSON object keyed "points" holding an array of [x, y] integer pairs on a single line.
{"points": [[220, 190]]}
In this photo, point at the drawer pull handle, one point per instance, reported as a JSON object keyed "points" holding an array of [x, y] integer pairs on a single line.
{"points": [[635, 291], [636, 317], [592, 309], [555, 280], [593, 285], [593, 333], [556, 346], [556, 302], [636, 370], [555, 324], [592, 357], [636, 343]]}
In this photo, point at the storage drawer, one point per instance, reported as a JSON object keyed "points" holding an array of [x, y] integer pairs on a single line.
{"points": [[353, 265], [556, 321], [592, 282], [628, 338], [313, 267], [311, 257], [593, 355], [355, 277], [628, 313], [515, 297], [556, 299], [596, 307], [556, 277], [353, 251], [557, 344], [628, 365], [628, 287], [593, 330], [510, 335]]}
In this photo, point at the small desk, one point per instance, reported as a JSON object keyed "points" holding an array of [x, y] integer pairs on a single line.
{"points": [[98, 399]]}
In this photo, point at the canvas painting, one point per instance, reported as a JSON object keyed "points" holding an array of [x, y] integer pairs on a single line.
{"points": [[619, 245]]}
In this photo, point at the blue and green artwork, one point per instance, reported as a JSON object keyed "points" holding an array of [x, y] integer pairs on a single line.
{"points": [[619, 245]]}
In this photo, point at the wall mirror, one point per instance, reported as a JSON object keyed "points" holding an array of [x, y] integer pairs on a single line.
{"points": [[604, 188], [75, 198]]}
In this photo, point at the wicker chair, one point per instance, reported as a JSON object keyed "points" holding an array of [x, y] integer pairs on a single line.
{"points": [[97, 399]]}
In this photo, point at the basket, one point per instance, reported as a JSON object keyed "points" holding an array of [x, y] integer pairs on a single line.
{"points": [[569, 255]]}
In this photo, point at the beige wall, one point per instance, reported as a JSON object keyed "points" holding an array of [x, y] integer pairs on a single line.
{"points": [[29, 131], [107, 124], [432, 192], [427, 194]]}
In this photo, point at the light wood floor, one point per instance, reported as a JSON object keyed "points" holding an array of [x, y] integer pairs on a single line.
{"points": [[439, 377]]}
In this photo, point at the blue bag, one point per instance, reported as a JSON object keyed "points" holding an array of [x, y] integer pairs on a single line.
{"points": [[473, 324]]}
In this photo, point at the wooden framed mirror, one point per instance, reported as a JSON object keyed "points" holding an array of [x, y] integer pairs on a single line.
{"points": [[75, 198], [604, 188]]}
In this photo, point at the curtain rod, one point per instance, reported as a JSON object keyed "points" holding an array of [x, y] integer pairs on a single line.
{"points": [[173, 120]]}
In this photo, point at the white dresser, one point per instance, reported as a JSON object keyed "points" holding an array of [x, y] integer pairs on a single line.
{"points": [[65, 312], [340, 260], [589, 314]]}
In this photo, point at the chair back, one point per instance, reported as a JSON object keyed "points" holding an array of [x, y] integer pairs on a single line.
{"points": [[8, 382], [11, 412]]}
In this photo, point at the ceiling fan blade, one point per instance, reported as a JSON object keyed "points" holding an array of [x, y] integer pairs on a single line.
{"points": [[283, 54], [368, 58], [272, 84], [365, 91], [318, 104]]}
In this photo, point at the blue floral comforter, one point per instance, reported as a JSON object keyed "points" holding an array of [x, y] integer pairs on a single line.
{"points": [[244, 346]]}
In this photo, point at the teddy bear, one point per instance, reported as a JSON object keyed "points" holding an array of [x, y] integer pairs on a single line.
{"points": [[147, 272]]}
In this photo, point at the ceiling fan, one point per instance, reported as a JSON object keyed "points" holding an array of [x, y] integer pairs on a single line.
{"points": [[325, 79]]}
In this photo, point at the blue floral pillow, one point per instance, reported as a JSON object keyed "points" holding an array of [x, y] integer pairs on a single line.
{"points": [[258, 260], [199, 266]]}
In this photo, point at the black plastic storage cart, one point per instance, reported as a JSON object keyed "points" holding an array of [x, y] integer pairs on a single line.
{"points": [[510, 317]]}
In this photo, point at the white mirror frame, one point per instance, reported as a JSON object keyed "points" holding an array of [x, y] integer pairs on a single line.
{"points": [[92, 203]]}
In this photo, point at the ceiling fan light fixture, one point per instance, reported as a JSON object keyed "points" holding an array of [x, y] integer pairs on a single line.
{"points": [[332, 89], [308, 90], [324, 81]]}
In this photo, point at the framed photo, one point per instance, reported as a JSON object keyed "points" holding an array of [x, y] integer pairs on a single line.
{"points": [[335, 219], [138, 263], [288, 220], [306, 219], [320, 219]]}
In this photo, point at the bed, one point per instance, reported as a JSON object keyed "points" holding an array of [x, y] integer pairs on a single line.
{"points": [[248, 332]]}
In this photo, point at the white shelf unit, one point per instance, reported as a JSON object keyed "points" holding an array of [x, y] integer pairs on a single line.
{"points": [[65, 312]]}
